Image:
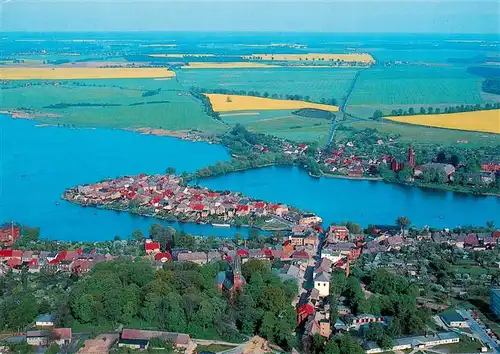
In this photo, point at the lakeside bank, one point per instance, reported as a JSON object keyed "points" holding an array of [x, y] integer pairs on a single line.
{"points": [[38, 170]]}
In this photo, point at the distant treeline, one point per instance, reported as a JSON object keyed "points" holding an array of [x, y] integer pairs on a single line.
{"points": [[484, 71], [431, 110], [150, 102], [314, 113], [63, 105], [474, 60], [209, 110], [492, 85], [151, 92], [185, 59], [281, 96]]}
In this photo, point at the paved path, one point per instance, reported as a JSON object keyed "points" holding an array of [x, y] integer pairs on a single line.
{"points": [[481, 333]]}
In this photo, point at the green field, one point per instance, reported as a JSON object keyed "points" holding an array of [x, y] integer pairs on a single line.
{"points": [[314, 82], [415, 134], [115, 104], [282, 123], [391, 88]]}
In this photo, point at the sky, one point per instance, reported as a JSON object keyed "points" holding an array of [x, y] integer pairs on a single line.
{"points": [[397, 16]]}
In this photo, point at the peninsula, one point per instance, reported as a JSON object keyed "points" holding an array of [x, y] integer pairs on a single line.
{"points": [[169, 197]]}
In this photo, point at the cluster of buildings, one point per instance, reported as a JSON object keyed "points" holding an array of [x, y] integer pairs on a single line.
{"points": [[45, 333], [9, 234], [75, 261], [167, 196]]}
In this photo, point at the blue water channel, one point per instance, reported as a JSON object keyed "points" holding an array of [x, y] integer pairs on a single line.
{"points": [[38, 163]]}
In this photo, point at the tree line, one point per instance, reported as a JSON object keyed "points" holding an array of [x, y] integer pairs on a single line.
{"points": [[377, 114], [293, 97]]}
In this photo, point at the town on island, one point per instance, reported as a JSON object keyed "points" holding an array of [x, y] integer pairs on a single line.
{"points": [[169, 197]]}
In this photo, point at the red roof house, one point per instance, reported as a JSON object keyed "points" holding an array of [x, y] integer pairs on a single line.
{"points": [[471, 240], [242, 253], [303, 312], [300, 255], [163, 257], [151, 247]]}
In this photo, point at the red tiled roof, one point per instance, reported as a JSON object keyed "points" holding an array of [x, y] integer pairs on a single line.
{"points": [[267, 252], [162, 255], [198, 207], [151, 246], [306, 308], [471, 240], [260, 204], [300, 254], [240, 207], [11, 253], [62, 333], [12, 262], [242, 253]]}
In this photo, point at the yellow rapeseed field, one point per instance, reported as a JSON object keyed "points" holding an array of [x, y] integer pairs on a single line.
{"points": [[479, 121], [229, 65], [230, 103], [61, 73], [353, 57]]}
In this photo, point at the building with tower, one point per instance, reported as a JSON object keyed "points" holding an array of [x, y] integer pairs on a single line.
{"points": [[231, 279]]}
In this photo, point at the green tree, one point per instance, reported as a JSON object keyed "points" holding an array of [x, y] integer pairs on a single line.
{"points": [[268, 325], [402, 222], [338, 282], [170, 170], [377, 114]]}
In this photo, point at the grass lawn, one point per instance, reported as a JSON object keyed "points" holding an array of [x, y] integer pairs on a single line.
{"points": [[466, 345], [317, 83], [113, 104], [213, 348], [472, 270], [281, 123]]}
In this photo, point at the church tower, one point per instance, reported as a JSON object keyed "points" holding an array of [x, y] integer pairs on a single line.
{"points": [[411, 157]]}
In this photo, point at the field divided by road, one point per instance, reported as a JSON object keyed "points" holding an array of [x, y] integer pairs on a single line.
{"points": [[388, 88], [317, 83]]}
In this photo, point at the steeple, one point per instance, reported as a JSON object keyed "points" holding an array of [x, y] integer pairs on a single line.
{"points": [[411, 157]]}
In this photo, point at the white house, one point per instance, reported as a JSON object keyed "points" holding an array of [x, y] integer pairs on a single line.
{"points": [[45, 321], [322, 284]]}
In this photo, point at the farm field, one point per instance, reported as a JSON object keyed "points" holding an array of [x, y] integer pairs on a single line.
{"points": [[230, 103], [416, 134], [400, 87], [228, 65], [112, 104], [481, 121], [317, 83], [65, 73], [353, 57], [281, 123]]}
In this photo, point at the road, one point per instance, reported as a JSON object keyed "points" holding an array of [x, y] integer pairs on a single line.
{"points": [[481, 333]]}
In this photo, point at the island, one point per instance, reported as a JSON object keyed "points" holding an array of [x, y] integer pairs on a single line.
{"points": [[171, 198]]}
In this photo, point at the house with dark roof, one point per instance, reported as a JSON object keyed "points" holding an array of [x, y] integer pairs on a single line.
{"points": [[139, 339], [454, 319], [37, 338], [45, 320]]}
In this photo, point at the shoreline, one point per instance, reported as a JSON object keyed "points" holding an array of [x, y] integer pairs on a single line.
{"points": [[183, 135], [171, 218]]}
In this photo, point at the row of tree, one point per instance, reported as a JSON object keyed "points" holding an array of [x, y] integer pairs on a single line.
{"points": [[377, 114], [293, 97]]}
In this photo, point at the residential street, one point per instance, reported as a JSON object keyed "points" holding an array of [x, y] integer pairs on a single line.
{"points": [[481, 333]]}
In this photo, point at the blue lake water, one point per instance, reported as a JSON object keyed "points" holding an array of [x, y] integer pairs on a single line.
{"points": [[38, 163]]}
